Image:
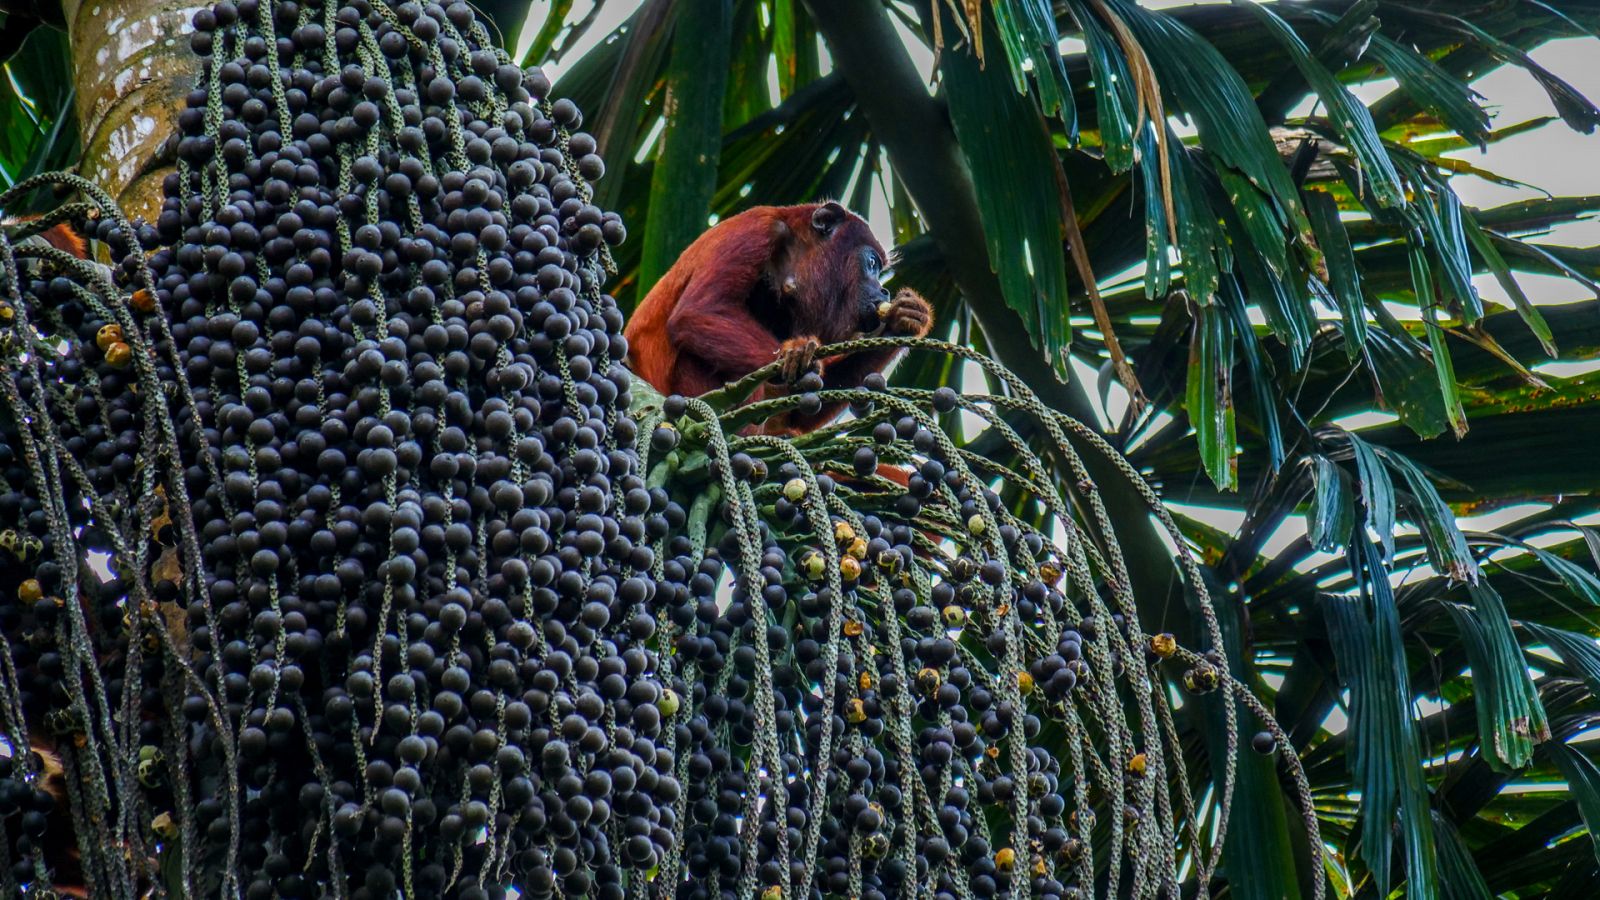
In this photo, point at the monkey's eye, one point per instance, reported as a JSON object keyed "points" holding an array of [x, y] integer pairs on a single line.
{"points": [[874, 263]]}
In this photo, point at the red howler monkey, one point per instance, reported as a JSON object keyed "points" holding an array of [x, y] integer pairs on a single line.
{"points": [[773, 282]]}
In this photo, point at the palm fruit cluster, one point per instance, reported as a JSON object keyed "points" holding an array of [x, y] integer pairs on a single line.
{"points": [[348, 424], [923, 654], [349, 561]]}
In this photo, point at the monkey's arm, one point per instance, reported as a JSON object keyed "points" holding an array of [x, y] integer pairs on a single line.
{"points": [[712, 327]]}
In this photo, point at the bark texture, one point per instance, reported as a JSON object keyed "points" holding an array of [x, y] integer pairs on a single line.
{"points": [[133, 67]]}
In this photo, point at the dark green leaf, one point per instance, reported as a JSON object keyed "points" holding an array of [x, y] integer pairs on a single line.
{"points": [[1332, 516], [613, 82], [1510, 717], [1255, 216], [1210, 91], [1008, 151], [1583, 780], [1434, 219], [1115, 103], [1579, 580], [783, 45], [1258, 370], [1547, 260], [1349, 116], [685, 176], [1452, 251], [1157, 230], [1403, 371], [1448, 552], [1210, 395], [1422, 284], [1028, 30], [1579, 651], [38, 125], [1377, 493], [15, 28], [1201, 241], [1344, 280], [1432, 87], [1459, 878], [1258, 854], [1572, 106], [1387, 760], [1285, 303], [1497, 264]]}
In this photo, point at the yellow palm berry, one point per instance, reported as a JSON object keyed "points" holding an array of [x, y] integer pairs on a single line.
{"points": [[928, 680], [1025, 683], [142, 301], [954, 616], [108, 335], [852, 628], [843, 533], [164, 827], [119, 354], [857, 549], [850, 568], [976, 524], [1163, 645], [30, 591], [855, 712], [1005, 859], [1136, 765], [794, 489]]}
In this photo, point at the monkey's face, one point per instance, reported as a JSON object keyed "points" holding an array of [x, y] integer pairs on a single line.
{"points": [[844, 267], [870, 292]]}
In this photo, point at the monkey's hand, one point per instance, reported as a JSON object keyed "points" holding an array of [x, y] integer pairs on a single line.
{"points": [[796, 357], [907, 315]]}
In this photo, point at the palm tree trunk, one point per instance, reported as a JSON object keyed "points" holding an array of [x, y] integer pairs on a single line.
{"points": [[132, 67]]}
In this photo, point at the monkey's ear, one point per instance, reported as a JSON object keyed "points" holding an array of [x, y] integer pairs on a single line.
{"points": [[827, 217]]}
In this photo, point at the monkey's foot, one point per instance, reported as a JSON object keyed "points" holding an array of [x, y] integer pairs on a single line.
{"points": [[796, 357]]}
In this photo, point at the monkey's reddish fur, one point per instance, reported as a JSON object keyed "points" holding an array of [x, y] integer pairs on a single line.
{"points": [[60, 236], [759, 283]]}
